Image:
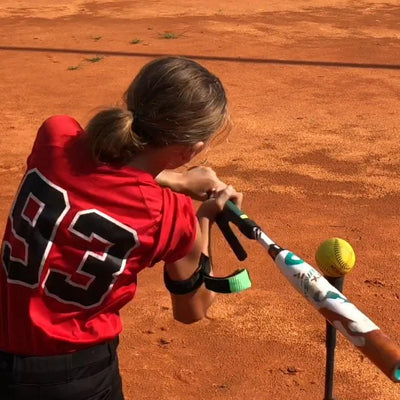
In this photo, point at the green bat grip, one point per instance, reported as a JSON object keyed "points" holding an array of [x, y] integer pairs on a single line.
{"points": [[230, 237], [231, 213], [235, 215]]}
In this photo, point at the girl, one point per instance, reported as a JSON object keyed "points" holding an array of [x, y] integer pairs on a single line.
{"points": [[93, 210]]}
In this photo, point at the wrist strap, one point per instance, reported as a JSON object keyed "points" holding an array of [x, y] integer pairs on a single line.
{"points": [[234, 283]]}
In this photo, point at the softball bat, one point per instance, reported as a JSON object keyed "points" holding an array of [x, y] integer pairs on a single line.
{"points": [[330, 302]]}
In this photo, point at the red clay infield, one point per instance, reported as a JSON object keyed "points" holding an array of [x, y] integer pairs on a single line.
{"points": [[314, 89]]}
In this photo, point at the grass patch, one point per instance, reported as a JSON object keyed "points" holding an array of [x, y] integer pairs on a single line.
{"points": [[73, 67], [94, 59], [135, 41], [169, 35]]}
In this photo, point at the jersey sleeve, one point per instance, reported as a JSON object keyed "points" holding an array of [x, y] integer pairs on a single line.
{"points": [[54, 132], [178, 227]]}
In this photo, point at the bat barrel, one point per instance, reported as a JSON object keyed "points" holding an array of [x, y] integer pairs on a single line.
{"points": [[337, 309], [384, 353], [375, 345]]}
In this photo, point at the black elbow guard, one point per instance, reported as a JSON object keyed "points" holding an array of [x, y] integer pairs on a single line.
{"points": [[234, 283], [193, 283]]}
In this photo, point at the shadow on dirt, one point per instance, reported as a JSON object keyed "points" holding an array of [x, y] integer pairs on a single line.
{"points": [[208, 58]]}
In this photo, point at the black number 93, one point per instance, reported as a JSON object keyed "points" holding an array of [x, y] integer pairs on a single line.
{"points": [[38, 210]]}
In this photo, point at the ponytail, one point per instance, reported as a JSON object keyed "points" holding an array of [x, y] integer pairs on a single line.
{"points": [[111, 138]]}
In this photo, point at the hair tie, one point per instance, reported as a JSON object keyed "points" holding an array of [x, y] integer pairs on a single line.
{"points": [[133, 120]]}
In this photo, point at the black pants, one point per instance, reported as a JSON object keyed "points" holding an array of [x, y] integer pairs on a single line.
{"points": [[90, 374]]}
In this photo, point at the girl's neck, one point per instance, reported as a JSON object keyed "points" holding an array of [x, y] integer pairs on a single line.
{"points": [[155, 160]]}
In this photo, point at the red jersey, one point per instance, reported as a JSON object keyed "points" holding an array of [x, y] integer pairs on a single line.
{"points": [[77, 236]]}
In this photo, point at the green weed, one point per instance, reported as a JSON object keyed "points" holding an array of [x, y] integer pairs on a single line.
{"points": [[169, 35], [94, 59], [73, 67]]}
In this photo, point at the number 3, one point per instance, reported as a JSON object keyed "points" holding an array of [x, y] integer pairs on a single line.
{"points": [[36, 214]]}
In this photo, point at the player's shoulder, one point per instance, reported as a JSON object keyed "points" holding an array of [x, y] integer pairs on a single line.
{"points": [[160, 200], [60, 121], [176, 223], [58, 127]]}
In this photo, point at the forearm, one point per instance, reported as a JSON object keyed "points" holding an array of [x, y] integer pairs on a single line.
{"points": [[171, 179], [193, 307], [205, 228], [195, 182]]}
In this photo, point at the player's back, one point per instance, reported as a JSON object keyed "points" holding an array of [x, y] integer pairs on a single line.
{"points": [[78, 234]]}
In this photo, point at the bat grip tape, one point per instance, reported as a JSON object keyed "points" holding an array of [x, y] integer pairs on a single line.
{"points": [[231, 213]]}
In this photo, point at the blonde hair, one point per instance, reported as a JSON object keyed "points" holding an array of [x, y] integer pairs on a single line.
{"points": [[173, 100], [111, 137]]}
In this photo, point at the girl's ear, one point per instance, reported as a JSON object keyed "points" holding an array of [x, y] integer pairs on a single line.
{"points": [[196, 149], [182, 154], [187, 153]]}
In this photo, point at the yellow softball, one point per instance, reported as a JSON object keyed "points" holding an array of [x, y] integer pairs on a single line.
{"points": [[335, 257]]}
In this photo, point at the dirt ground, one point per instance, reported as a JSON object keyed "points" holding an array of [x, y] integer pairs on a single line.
{"points": [[314, 89]]}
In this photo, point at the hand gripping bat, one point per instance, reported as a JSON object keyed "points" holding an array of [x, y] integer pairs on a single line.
{"points": [[330, 302]]}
